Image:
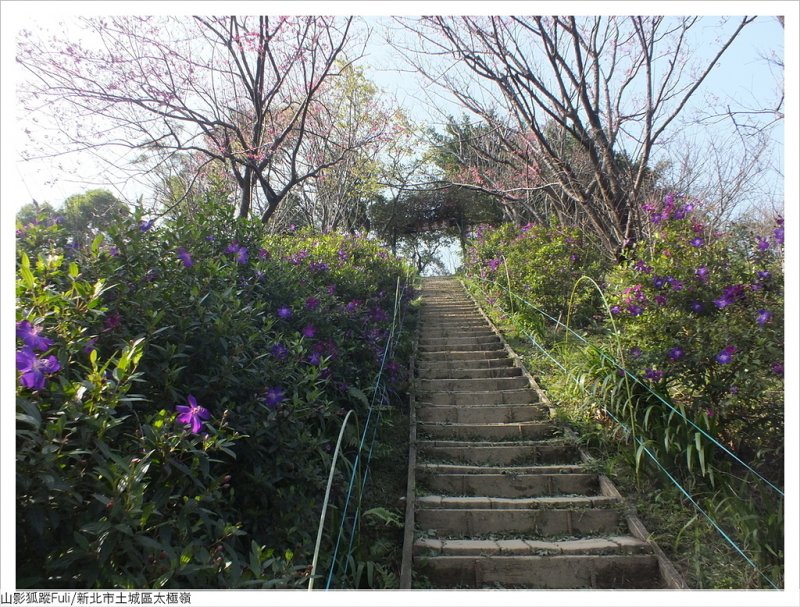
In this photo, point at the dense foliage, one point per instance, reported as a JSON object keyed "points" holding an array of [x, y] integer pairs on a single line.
{"points": [[538, 263], [682, 356], [180, 388]]}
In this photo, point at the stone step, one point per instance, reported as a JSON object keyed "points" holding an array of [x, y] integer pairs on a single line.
{"points": [[453, 323], [428, 468], [467, 346], [491, 384], [450, 373], [497, 454], [512, 486], [465, 355], [518, 396], [549, 522], [460, 331], [482, 414], [615, 544], [487, 431], [432, 343], [542, 572], [438, 309], [425, 364]]}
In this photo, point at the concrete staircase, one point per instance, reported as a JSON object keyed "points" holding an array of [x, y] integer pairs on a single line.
{"points": [[501, 497]]}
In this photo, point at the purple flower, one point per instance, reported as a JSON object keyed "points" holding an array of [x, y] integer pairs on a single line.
{"points": [[763, 317], [660, 300], [352, 306], [701, 273], [730, 294], [659, 282], [113, 251], [233, 247], [242, 256], [192, 414], [144, 226], [762, 244], [654, 375], [30, 336], [312, 303], [34, 369], [675, 353], [90, 345], [315, 358], [318, 266], [635, 352], [331, 289], [777, 368], [308, 331], [641, 266], [378, 315], [184, 256], [274, 397], [676, 284], [763, 275], [285, 313], [635, 310], [697, 242], [280, 351], [696, 306], [342, 255], [778, 235], [112, 321], [493, 264], [726, 355], [614, 309], [263, 254]]}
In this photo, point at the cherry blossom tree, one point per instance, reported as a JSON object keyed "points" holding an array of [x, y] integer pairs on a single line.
{"points": [[241, 92], [610, 87]]}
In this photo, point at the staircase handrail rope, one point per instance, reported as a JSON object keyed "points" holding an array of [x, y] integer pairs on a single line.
{"points": [[694, 503], [387, 348], [364, 478], [636, 379], [697, 507]]}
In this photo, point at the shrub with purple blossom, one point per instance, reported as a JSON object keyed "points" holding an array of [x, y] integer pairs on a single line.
{"points": [[166, 393], [723, 314]]}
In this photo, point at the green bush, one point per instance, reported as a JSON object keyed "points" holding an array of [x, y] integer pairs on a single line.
{"points": [[543, 263], [180, 435]]}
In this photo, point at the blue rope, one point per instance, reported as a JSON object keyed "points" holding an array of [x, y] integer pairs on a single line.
{"points": [[389, 347], [613, 361], [694, 503]]}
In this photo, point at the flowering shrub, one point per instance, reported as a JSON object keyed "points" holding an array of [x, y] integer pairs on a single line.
{"points": [[700, 315], [543, 265], [179, 388]]}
